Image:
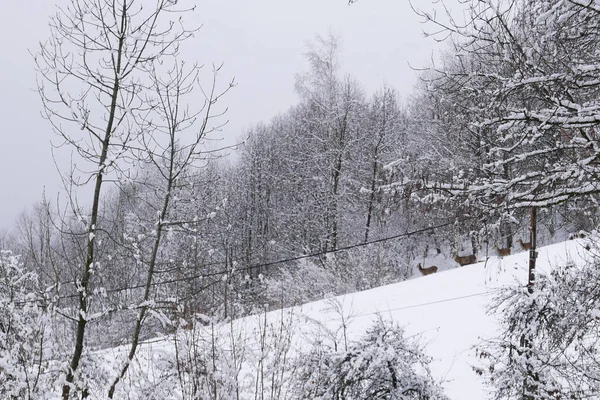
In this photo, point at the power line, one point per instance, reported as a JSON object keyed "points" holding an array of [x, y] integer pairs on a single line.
{"points": [[268, 264], [233, 271], [423, 304], [352, 316]]}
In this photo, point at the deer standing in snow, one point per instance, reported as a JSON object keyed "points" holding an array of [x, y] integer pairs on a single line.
{"points": [[578, 235], [465, 260], [502, 252], [427, 271], [524, 246]]}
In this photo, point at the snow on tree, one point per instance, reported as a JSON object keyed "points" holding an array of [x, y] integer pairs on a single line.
{"points": [[115, 91], [534, 71], [331, 107], [381, 365], [24, 333], [526, 76], [549, 346]]}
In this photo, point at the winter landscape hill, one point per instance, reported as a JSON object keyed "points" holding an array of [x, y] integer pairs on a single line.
{"points": [[446, 311]]}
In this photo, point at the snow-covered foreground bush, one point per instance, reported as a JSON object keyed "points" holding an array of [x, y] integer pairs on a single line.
{"points": [[381, 365], [550, 344], [236, 360], [267, 357], [24, 333]]}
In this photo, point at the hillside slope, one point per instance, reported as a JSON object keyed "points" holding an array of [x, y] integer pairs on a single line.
{"points": [[447, 309]]}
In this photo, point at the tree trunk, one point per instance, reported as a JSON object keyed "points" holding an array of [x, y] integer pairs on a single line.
{"points": [[371, 201], [90, 257]]}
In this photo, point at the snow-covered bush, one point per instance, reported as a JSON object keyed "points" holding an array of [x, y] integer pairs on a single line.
{"points": [[300, 284], [382, 365], [374, 265], [550, 344], [339, 273], [208, 361], [229, 361], [24, 333]]}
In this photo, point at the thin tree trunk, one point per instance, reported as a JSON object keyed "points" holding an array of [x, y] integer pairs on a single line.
{"points": [[371, 201], [90, 257], [150, 275], [337, 174]]}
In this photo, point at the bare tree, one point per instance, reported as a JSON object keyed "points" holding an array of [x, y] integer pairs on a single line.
{"points": [[384, 132], [95, 71], [174, 150], [331, 106]]}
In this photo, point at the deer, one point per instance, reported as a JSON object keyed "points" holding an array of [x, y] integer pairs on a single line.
{"points": [[524, 246], [502, 252], [427, 271], [465, 260], [578, 235]]}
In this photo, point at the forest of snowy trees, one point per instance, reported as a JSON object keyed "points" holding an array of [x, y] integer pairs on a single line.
{"points": [[343, 191]]}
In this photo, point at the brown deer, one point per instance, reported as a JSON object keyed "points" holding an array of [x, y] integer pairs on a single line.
{"points": [[578, 235], [427, 271], [465, 260], [502, 252], [524, 246]]}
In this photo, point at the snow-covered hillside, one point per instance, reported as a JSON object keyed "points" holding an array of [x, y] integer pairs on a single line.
{"points": [[447, 309]]}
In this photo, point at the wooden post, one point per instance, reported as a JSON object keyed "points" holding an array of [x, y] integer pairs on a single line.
{"points": [[532, 251], [531, 388]]}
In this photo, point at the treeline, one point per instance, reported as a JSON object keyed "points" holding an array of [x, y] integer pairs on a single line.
{"points": [[308, 182]]}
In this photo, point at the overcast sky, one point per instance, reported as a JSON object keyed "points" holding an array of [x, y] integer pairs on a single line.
{"points": [[260, 42]]}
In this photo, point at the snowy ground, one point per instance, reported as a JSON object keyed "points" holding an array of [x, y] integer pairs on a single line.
{"points": [[447, 309]]}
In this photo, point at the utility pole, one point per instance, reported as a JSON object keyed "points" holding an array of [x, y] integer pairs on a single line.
{"points": [[530, 384], [532, 252]]}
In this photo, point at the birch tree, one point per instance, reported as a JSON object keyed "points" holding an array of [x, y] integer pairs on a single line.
{"points": [[332, 106]]}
